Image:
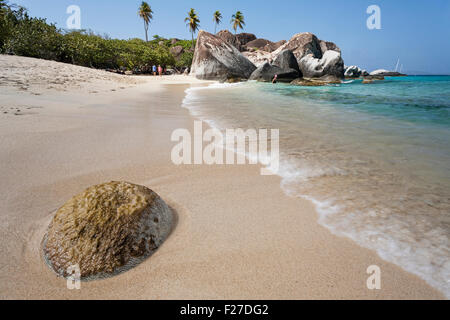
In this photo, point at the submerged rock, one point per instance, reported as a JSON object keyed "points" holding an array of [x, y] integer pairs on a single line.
{"points": [[370, 79], [215, 59], [315, 82], [107, 228]]}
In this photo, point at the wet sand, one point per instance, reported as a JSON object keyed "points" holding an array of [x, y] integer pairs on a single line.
{"points": [[238, 236]]}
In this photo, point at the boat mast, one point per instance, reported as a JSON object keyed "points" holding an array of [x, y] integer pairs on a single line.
{"points": [[396, 67]]}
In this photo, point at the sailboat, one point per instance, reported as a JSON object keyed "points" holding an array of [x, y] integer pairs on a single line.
{"points": [[396, 67]]}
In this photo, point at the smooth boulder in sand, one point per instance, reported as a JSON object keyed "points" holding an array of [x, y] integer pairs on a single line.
{"points": [[106, 229]]}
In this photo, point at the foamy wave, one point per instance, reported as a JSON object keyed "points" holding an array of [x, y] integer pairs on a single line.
{"points": [[420, 257]]}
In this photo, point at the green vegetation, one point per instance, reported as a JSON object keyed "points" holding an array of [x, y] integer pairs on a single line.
{"points": [[23, 35], [192, 21], [146, 13], [237, 20], [217, 18]]}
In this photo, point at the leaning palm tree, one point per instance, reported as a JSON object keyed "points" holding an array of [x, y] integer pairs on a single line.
{"points": [[146, 13], [217, 18], [192, 21], [237, 20]]}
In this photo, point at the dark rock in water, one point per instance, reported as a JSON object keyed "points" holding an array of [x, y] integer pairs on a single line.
{"points": [[216, 59], [374, 77], [316, 82], [106, 229], [331, 64], [267, 72], [245, 38], [352, 72], [286, 60]]}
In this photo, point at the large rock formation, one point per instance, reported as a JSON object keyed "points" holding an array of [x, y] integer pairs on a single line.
{"points": [[286, 60], [257, 44], [272, 46], [327, 45], [216, 59], [245, 38], [331, 64], [285, 66], [301, 45], [267, 72], [258, 57], [229, 38], [308, 47], [316, 58], [106, 229]]}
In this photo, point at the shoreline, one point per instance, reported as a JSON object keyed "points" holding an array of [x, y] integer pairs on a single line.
{"points": [[238, 236]]}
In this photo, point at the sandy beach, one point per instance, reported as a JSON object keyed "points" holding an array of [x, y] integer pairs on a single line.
{"points": [[238, 236]]}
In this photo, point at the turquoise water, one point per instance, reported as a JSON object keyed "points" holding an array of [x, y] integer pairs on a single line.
{"points": [[374, 158]]}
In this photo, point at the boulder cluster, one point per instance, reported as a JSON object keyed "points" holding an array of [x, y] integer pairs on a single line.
{"points": [[228, 57], [303, 60]]}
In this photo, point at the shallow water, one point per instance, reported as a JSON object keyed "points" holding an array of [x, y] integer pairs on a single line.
{"points": [[375, 159]]}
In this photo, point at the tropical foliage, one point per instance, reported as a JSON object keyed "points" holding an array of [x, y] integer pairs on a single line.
{"points": [[237, 20], [23, 35], [192, 22], [217, 18], [146, 13]]}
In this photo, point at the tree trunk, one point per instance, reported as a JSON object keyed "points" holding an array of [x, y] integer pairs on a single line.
{"points": [[146, 31]]}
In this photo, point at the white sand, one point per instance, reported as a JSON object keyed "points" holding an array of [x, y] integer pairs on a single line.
{"points": [[237, 236]]}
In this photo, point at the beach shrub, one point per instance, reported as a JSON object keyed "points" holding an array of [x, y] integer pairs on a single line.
{"points": [[185, 59], [23, 35]]}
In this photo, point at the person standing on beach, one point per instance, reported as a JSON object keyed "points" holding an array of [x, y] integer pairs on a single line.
{"points": [[160, 70], [154, 70]]}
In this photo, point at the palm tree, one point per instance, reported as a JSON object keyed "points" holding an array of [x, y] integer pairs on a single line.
{"points": [[217, 18], [237, 20], [192, 21], [146, 13]]}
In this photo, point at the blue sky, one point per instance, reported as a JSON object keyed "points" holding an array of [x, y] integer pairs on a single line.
{"points": [[416, 31]]}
